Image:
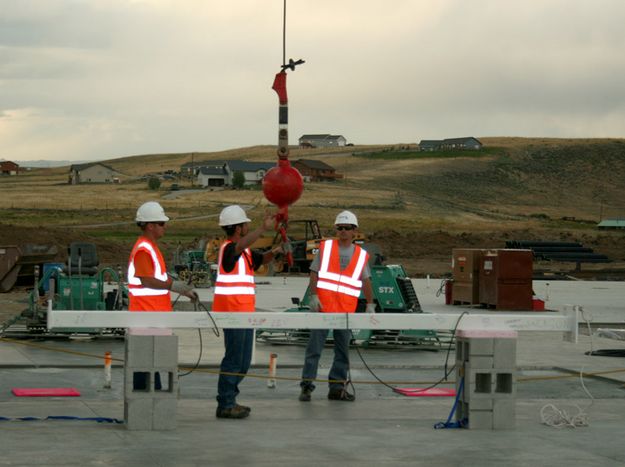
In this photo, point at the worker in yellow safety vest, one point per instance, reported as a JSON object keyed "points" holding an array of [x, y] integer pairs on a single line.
{"points": [[235, 292], [338, 273]]}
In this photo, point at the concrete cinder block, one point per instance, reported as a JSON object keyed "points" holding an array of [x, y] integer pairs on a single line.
{"points": [[484, 383], [504, 383], [130, 390], [504, 353], [504, 414], [138, 414], [462, 411], [462, 349], [139, 351], [149, 409], [165, 351], [169, 381], [480, 346], [482, 362], [164, 414], [480, 405], [480, 419]]}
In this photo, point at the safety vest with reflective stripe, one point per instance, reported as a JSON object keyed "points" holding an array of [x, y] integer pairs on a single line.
{"points": [[338, 291], [142, 298], [235, 290]]}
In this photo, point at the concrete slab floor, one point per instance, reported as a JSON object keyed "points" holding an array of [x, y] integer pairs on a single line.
{"points": [[379, 428]]}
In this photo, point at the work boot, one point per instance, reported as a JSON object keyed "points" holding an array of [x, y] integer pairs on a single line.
{"points": [[238, 411], [341, 395], [245, 407], [304, 396]]}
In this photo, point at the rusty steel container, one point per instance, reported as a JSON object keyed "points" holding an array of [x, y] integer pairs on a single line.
{"points": [[506, 279], [466, 275]]}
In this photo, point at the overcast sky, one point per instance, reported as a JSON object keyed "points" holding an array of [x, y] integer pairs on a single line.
{"points": [[98, 79]]}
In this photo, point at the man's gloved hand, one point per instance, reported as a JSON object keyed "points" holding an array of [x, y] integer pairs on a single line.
{"points": [[314, 304], [185, 289], [370, 308]]}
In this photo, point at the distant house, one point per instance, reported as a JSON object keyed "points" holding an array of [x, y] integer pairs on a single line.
{"points": [[316, 171], [209, 177], [254, 172], [322, 141], [466, 143], [221, 173], [192, 168], [9, 168], [611, 224], [430, 144], [94, 172]]}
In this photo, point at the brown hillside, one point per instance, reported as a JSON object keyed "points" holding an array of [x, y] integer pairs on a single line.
{"points": [[417, 208]]}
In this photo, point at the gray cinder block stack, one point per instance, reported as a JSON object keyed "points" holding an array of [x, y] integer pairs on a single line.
{"points": [[145, 407], [486, 359]]}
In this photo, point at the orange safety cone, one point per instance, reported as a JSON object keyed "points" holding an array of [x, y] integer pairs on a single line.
{"points": [[107, 369], [271, 382]]}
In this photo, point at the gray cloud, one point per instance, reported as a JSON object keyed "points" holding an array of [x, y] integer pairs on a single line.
{"points": [[88, 79]]}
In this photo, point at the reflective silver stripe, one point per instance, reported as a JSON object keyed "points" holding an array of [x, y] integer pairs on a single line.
{"points": [[240, 276], [325, 259], [338, 288], [339, 278], [132, 279], [362, 257], [229, 278], [353, 280], [142, 292], [234, 290]]}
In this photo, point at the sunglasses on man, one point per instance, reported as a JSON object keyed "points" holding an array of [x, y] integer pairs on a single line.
{"points": [[161, 223], [344, 227]]}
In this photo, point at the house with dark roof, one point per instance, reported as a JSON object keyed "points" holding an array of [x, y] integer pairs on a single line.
{"points": [[221, 173], [466, 143], [430, 144], [322, 141], [9, 168], [191, 168], [316, 171], [210, 177], [252, 171], [94, 172]]}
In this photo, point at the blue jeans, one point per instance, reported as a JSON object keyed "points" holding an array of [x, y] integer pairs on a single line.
{"points": [[340, 365], [238, 343]]}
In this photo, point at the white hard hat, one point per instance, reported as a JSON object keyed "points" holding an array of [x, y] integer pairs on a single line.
{"points": [[232, 215], [151, 212], [346, 217]]}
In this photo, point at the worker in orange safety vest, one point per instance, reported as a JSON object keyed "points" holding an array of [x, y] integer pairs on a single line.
{"points": [[235, 292], [338, 273], [148, 283]]}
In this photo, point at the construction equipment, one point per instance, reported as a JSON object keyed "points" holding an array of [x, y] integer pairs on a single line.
{"points": [[17, 263], [304, 236], [193, 267], [75, 285], [393, 293]]}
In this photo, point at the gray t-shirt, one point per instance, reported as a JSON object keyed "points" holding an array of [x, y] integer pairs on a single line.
{"points": [[345, 256]]}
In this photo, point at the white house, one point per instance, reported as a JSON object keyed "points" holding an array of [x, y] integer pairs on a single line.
{"points": [[322, 141], [222, 173], [95, 172]]}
